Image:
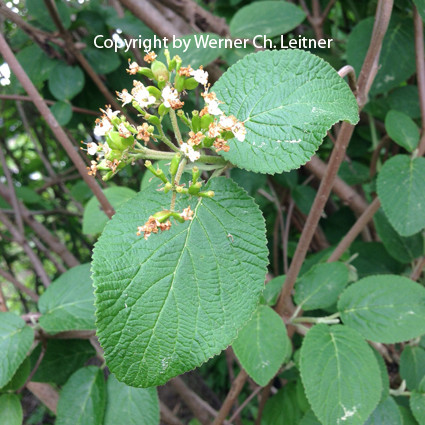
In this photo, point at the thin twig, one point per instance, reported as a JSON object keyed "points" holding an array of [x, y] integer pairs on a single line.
{"points": [[416, 273], [18, 285], [244, 404], [36, 366]]}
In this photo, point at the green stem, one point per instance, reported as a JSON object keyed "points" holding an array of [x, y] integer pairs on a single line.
{"points": [[175, 125], [166, 140], [330, 320]]}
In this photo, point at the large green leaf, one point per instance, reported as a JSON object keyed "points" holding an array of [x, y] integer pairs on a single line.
{"points": [[262, 346], [321, 285], [340, 375], [66, 81], [94, 219], [20, 376], [167, 304], [82, 399], [10, 410], [417, 403], [288, 99], [139, 406], [412, 366], [103, 60], [398, 48], [39, 11], [402, 129], [403, 249], [61, 359], [269, 18], [15, 341], [384, 308], [401, 190], [386, 413], [68, 303], [405, 99]]}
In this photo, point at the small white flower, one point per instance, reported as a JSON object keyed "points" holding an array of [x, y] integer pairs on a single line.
{"points": [[239, 131], [142, 96], [91, 148], [105, 149], [200, 76], [213, 108], [190, 152], [103, 127], [123, 131], [110, 113], [169, 94], [214, 130], [227, 123], [125, 97]]}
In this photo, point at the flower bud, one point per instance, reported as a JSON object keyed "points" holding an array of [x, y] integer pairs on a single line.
{"points": [[172, 65], [175, 164], [179, 83], [195, 174], [153, 119], [178, 217], [113, 154], [208, 194], [196, 121], [178, 62], [116, 142], [190, 84], [195, 188], [160, 70], [163, 110], [107, 176], [180, 189], [154, 92], [207, 142], [206, 120], [146, 72], [161, 82], [137, 107], [162, 216], [168, 186]]}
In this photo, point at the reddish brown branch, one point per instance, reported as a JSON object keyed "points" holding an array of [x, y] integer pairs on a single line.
{"points": [[18, 285]]}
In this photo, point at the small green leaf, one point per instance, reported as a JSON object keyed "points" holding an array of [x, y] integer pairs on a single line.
{"points": [[68, 303], [386, 413], [39, 11], [412, 366], [384, 375], [15, 341], [272, 290], [143, 286], [321, 286], [309, 419], [61, 359], [417, 403], [340, 375], [402, 249], [103, 61], [405, 99], [406, 414], [402, 129], [288, 99], [262, 346], [139, 406], [269, 18], [303, 197], [82, 399], [10, 410], [401, 190], [94, 219], [385, 308], [130, 25], [66, 81], [62, 111]]}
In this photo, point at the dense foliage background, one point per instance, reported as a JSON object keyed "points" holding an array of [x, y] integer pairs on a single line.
{"points": [[50, 217]]}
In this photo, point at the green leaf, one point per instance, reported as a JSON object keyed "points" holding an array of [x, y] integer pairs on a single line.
{"points": [[61, 359], [62, 111], [139, 406], [94, 219], [282, 408], [82, 399], [401, 190], [288, 99], [412, 366], [386, 413], [262, 346], [406, 414], [398, 48], [272, 290], [15, 341], [20, 376], [130, 25], [340, 375], [417, 403], [103, 61], [384, 375], [199, 50], [269, 18], [354, 172], [66, 81], [36, 63], [68, 303], [384, 308], [405, 99], [143, 286], [403, 249], [309, 419], [321, 286], [303, 197], [10, 410], [402, 129], [40, 13]]}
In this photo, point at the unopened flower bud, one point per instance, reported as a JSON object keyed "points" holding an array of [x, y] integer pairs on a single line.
{"points": [[196, 121], [206, 120], [154, 92], [179, 83], [168, 186], [161, 82], [190, 84], [159, 70], [162, 216], [208, 194], [175, 164], [147, 72], [163, 110], [172, 65], [195, 188]]}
